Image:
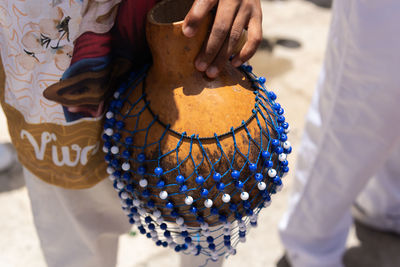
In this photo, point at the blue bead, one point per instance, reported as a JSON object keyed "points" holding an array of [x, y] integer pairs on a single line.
{"points": [[159, 243], [165, 244], [246, 204], [239, 184], [141, 170], [238, 216], [199, 179], [249, 68], [148, 235], [188, 240], [108, 144], [280, 111], [278, 150], [146, 193], [277, 180], [227, 237], [131, 221], [126, 176], [148, 219], [217, 177], [169, 205], [265, 154], [285, 163], [177, 248], [184, 247], [129, 188], [126, 154], [222, 218], [134, 210], [129, 140], [174, 213], [193, 210], [129, 202], [285, 125], [120, 124], [275, 142], [277, 106], [117, 174], [210, 239], [167, 233], [105, 137], [262, 80], [152, 226], [279, 129], [158, 171], [227, 243], [288, 151], [281, 119], [108, 158], [160, 184], [150, 204], [235, 174], [249, 212], [183, 188], [115, 163], [204, 192], [180, 179], [221, 186], [271, 95], [214, 211], [211, 246], [285, 169], [258, 176], [184, 233], [163, 226], [141, 157], [142, 230], [233, 207], [242, 233], [253, 167], [283, 137]]}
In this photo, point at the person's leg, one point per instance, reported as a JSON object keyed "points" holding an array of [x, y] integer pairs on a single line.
{"points": [[379, 204], [77, 227], [352, 128]]}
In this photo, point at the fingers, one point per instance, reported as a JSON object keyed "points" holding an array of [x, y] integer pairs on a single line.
{"points": [[197, 13], [253, 40], [224, 18], [230, 44]]}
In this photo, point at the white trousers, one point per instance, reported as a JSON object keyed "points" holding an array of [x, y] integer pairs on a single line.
{"points": [[351, 143], [80, 228]]}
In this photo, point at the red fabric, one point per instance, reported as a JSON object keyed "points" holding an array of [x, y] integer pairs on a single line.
{"points": [[91, 45]]}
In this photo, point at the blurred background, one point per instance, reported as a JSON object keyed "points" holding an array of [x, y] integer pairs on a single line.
{"points": [[290, 56]]}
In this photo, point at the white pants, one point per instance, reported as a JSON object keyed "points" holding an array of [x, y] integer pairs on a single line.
{"points": [[351, 144], [80, 228]]}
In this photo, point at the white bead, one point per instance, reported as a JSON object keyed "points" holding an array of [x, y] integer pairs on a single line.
{"points": [[136, 202], [226, 198], [282, 157], [242, 224], [114, 149], [172, 245], [169, 240], [143, 183], [154, 233], [163, 194], [138, 223], [182, 227], [157, 213], [111, 177], [154, 238], [267, 203], [204, 226], [116, 95], [109, 115], [160, 220], [286, 145], [120, 185], [136, 217], [208, 203], [227, 225], [142, 212], [232, 251], [272, 173], [206, 233], [179, 221], [214, 257], [253, 218], [110, 170], [123, 203], [227, 231], [127, 212], [278, 188], [124, 195], [288, 129], [126, 166], [242, 239], [109, 131], [188, 200], [243, 228], [244, 196], [261, 186], [105, 149]]}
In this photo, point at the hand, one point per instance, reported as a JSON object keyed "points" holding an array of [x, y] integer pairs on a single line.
{"points": [[233, 16]]}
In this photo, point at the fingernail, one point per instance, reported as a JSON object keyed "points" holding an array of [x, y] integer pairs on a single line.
{"points": [[237, 62], [212, 72], [188, 31], [201, 66]]}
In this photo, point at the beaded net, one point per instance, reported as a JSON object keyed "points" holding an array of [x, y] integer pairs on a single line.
{"points": [[197, 195]]}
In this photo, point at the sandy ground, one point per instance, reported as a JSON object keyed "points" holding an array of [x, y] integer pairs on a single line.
{"points": [[292, 73]]}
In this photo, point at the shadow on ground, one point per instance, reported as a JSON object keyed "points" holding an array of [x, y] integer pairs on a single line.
{"points": [[12, 178], [376, 248]]}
